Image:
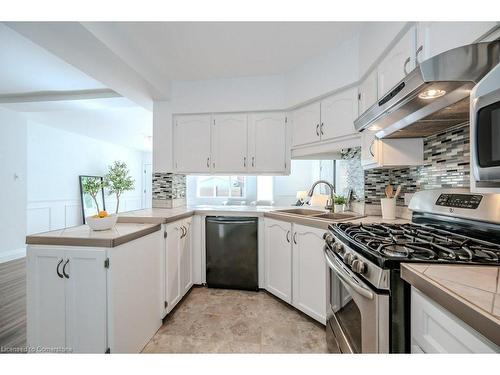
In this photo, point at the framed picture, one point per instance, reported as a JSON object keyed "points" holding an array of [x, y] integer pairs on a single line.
{"points": [[91, 205]]}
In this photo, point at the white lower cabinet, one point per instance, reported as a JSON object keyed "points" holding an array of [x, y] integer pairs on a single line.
{"points": [[178, 266], [66, 300], [93, 300], [436, 330], [278, 265], [309, 272], [295, 266]]}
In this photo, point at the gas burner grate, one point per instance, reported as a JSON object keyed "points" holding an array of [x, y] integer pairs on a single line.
{"points": [[420, 242]]}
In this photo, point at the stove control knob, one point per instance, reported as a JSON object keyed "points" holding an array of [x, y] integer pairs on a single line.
{"points": [[358, 266], [338, 248], [348, 258], [329, 239]]}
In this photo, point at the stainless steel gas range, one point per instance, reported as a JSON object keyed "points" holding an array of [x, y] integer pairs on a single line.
{"points": [[369, 303]]}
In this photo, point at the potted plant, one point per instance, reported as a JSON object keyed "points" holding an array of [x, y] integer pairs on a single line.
{"points": [[339, 203], [118, 180], [92, 186]]}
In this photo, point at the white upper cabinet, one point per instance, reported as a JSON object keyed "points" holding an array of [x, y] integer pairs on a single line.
{"points": [[306, 123], [338, 113], [192, 143], [436, 37], [367, 92], [386, 153], [397, 63], [229, 143], [267, 142]]}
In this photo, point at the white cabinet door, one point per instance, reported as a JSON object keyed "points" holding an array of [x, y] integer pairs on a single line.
{"points": [[46, 298], [434, 38], [369, 148], [376, 153], [397, 63], [267, 142], [172, 260], [309, 272], [367, 92], [305, 124], [229, 147], [192, 143], [186, 257], [278, 248], [86, 315], [436, 330], [338, 113]]}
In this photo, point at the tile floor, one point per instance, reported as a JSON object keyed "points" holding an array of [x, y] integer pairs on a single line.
{"points": [[233, 321]]}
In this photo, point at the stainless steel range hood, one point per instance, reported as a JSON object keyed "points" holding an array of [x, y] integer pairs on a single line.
{"points": [[434, 96]]}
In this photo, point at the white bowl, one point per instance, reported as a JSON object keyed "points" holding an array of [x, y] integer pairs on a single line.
{"points": [[105, 223]]}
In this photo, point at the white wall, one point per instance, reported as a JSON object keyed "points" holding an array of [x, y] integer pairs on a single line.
{"points": [[12, 189], [322, 74], [55, 159]]}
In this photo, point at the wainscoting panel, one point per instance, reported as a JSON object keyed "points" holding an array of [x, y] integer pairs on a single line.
{"points": [[13, 304], [43, 216]]}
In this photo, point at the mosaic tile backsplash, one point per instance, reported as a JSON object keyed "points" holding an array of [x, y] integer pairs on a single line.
{"points": [[446, 165], [354, 171], [168, 188]]}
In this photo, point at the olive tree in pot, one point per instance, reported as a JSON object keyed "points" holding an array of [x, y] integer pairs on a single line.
{"points": [[92, 186], [118, 180]]}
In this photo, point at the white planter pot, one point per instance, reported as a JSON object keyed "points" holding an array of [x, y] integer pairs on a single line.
{"points": [[104, 223], [338, 207]]}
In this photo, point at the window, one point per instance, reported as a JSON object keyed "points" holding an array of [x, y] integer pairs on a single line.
{"points": [[221, 187]]}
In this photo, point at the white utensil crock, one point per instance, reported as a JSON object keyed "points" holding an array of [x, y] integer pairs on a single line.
{"points": [[388, 208]]}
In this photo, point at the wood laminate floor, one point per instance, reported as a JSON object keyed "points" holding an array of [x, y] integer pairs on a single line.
{"points": [[233, 321]]}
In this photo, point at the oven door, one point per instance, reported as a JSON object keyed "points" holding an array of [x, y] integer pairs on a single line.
{"points": [[357, 316], [485, 135]]}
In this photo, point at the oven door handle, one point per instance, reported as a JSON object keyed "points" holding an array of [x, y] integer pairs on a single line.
{"points": [[345, 277]]}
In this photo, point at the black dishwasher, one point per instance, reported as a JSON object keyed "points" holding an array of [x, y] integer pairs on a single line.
{"points": [[231, 257]]}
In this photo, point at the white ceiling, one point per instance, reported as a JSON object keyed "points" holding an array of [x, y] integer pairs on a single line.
{"points": [[166, 51], [26, 67]]}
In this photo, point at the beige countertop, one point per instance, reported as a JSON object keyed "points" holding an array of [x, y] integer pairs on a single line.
{"points": [[83, 236], [470, 292], [167, 215]]}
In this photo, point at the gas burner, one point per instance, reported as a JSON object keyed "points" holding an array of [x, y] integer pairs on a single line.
{"points": [[407, 242]]}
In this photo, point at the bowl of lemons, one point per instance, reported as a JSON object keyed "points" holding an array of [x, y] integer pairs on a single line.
{"points": [[101, 221]]}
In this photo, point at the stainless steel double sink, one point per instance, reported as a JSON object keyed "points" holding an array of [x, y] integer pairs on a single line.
{"points": [[321, 215]]}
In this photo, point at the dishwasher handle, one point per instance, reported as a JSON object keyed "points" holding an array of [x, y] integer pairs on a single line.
{"points": [[231, 220]]}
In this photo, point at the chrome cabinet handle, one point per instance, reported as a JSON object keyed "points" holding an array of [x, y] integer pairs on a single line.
{"points": [[420, 49], [407, 61], [371, 148], [57, 269], [317, 130], [253, 161], [183, 229], [345, 277], [64, 269], [245, 161], [288, 236], [321, 128], [208, 162], [295, 238]]}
